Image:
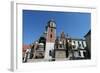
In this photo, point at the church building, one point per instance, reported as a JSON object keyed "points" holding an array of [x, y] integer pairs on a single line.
{"points": [[51, 47]]}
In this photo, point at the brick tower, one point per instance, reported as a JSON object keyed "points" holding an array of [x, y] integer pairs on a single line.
{"points": [[50, 38]]}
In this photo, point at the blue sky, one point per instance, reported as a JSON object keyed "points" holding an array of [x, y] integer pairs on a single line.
{"points": [[74, 23]]}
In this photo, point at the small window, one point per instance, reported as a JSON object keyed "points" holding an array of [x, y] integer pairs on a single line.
{"points": [[50, 53], [73, 46], [78, 43], [51, 30], [60, 45], [79, 53], [51, 36], [83, 43], [74, 42]]}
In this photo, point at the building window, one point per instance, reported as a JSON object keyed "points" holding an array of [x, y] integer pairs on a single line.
{"points": [[74, 42], [83, 44], [51, 30], [50, 54], [79, 53], [51, 36], [73, 46], [60, 45], [79, 44]]}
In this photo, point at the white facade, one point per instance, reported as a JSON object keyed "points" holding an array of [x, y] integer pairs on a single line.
{"points": [[49, 47], [79, 45]]}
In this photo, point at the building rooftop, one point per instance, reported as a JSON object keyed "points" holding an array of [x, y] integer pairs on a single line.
{"points": [[89, 32], [25, 47]]}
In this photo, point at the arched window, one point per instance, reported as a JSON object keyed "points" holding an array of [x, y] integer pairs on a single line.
{"points": [[50, 35]]}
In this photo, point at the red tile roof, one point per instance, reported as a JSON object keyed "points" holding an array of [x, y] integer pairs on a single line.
{"points": [[25, 47]]}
